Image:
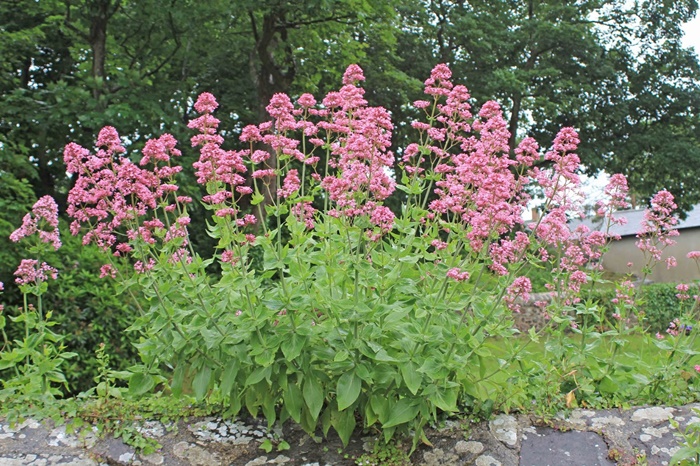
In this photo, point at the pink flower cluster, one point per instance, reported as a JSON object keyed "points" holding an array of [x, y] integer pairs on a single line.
{"points": [[519, 289], [658, 227], [624, 294], [457, 274], [616, 199], [359, 153], [470, 158], [42, 220], [114, 196], [31, 272], [215, 164]]}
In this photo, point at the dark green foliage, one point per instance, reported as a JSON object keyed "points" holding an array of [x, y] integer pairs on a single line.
{"points": [[657, 303], [16, 199], [660, 306], [89, 311]]}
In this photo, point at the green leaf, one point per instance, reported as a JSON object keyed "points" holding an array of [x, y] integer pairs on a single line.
{"points": [[482, 366], [178, 378], [344, 423], [313, 396], [381, 406], [411, 376], [348, 390], [268, 407], [140, 383], [608, 385], [266, 445], [257, 375], [256, 199], [200, 384], [291, 347], [402, 412], [445, 399], [383, 356], [229, 376], [293, 401]]}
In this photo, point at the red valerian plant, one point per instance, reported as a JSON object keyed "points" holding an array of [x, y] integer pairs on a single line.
{"points": [[36, 361], [355, 311]]}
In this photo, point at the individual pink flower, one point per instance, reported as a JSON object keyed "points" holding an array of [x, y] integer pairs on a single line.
{"points": [[141, 268], [671, 262], [697, 368], [439, 81], [658, 227], [527, 152], [682, 289], [438, 245], [306, 100], [382, 217]]}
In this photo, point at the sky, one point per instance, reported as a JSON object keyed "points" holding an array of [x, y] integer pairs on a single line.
{"points": [[692, 34]]}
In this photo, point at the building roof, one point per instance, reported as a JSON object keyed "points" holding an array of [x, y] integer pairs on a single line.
{"points": [[635, 218]]}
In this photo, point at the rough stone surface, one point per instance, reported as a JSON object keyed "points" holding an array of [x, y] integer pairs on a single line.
{"points": [[581, 437], [549, 447]]}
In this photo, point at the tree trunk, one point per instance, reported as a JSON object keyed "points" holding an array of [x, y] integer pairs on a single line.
{"points": [[99, 16], [271, 76]]}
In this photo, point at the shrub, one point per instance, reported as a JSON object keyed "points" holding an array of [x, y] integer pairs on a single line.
{"points": [[90, 310]]}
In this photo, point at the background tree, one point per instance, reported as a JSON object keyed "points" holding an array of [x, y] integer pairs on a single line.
{"points": [[613, 69]]}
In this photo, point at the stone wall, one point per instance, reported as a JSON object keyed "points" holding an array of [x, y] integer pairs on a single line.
{"points": [[531, 315]]}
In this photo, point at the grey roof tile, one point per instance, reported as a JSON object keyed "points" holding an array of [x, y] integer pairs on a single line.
{"points": [[634, 222]]}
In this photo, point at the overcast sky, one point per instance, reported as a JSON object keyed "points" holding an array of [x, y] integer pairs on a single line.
{"points": [[692, 34]]}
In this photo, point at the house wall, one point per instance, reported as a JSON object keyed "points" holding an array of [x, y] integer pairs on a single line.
{"points": [[623, 251]]}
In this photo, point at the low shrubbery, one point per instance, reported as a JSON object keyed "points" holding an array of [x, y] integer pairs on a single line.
{"points": [[657, 304], [330, 308]]}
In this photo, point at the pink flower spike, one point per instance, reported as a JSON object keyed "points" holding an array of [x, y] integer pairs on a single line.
{"points": [[306, 100], [206, 103], [353, 75], [109, 138]]}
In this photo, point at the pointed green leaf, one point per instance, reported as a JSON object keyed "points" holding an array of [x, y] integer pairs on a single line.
{"points": [[229, 376], [344, 423], [140, 383], [348, 390], [411, 376], [257, 375], [405, 410], [445, 399], [313, 396], [291, 347], [293, 401], [200, 384], [178, 378]]}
